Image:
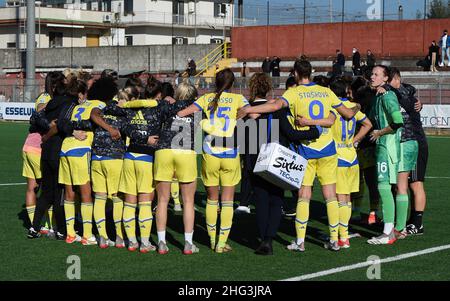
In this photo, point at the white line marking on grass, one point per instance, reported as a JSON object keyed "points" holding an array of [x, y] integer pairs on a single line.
{"points": [[13, 184], [367, 263], [437, 177]]}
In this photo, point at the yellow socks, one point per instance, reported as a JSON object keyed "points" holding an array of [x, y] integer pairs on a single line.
{"points": [[345, 213], [301, 219], [69, 210], [86, 214], [117, 215], [145, 220], [129, 221], [175, 192], [211, 220], [49, 222], [99, 215], [30, 212], [226, 220], [333, 218]]}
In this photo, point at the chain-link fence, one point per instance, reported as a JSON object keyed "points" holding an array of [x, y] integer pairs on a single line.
{"points": [[330, 11]]}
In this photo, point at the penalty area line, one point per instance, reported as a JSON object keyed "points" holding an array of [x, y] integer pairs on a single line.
{"points": [[367, 263]]}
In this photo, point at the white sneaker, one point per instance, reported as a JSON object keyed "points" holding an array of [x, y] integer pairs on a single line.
{"points": [[448, 64], [242, 209], [383, 239], [298, 248], [89, 241], [441, 65]]}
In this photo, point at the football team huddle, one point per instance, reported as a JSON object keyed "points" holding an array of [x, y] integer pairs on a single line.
{"points": [[90, 142]]}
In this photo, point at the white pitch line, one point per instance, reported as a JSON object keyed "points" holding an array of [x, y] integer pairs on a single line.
{"points": [[13, 184], [437, 177], [367, 263]]}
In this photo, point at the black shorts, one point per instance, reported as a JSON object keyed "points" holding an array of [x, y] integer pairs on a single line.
{"points": [[418, 174]]}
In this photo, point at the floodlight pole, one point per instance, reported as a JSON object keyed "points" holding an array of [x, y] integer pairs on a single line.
{"points": [[30, 68]]}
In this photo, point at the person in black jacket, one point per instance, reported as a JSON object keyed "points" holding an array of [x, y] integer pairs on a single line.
{"points": [[433, 56], [266, 66], [275, 68], [51, 191], [269, 198], [356, 60]]}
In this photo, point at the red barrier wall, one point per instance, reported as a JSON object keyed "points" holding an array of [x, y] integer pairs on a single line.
{"points": [[385, 39]]}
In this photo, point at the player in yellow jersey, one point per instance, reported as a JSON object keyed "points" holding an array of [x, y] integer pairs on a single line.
{"points": [[31, 154], [348, 166], [74, 169], [315, 103], [220, 164]]}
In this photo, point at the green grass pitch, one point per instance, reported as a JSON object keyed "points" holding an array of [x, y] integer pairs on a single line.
{"points": [[45, 259]]}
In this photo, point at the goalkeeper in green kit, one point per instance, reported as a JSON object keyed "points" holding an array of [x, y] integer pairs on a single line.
{"points": [[385, 115]]}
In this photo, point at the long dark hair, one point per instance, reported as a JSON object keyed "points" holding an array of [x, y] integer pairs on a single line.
{"points": [[54, 83], [224, 81]]}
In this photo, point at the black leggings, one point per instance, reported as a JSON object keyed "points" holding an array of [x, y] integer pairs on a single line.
{"points": [[269, 201], [51, 194]]}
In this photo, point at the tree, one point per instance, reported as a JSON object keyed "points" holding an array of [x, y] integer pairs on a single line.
{"points": [[439, 9]]}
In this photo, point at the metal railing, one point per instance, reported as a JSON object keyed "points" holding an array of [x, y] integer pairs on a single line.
{"points": [[430, 90], [212, 58]]}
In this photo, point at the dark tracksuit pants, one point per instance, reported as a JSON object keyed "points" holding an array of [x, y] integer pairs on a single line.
{"points": [[51, 194], [269, 201]]}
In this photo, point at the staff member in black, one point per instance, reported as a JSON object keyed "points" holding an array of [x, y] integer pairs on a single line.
{"points": [[269, 198]]}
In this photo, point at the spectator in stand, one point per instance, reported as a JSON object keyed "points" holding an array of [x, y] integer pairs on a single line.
{"points": [[275, 69], [275, 66], [356, 62], [370, 59], [192, 67], [433, 53], [340, 61], [245, 71], [2, 97], [266, 66], [444, 43], [176, 78]]}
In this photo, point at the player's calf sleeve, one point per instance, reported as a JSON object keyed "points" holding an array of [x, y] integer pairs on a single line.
{"points": [[401, 203], [301, 219], [145, 220], [129, 221], [86, 214], [345, 213], [117, 215], [211, 219], [30, 212], [333, 217], [175, 191], [226, 221], [387, 200], [69, 211], [99, 214]]}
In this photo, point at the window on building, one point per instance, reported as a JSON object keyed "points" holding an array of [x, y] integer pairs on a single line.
{"points": [[55, 39], [11, 45], [128, 7], [220, 9], [129, 40], [179, 41], [106, 5], [178, 11], [216, 41]]}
